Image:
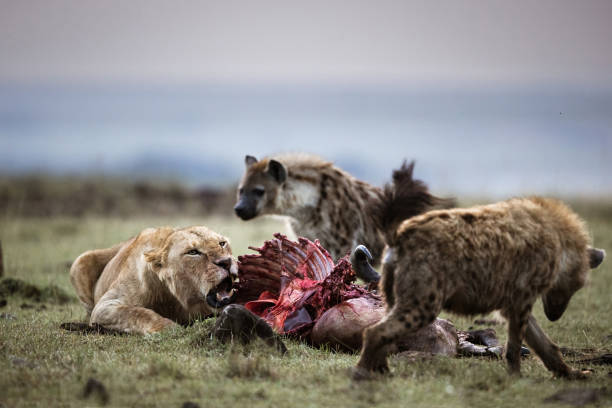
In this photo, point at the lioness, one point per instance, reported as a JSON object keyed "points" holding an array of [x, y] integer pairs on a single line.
{"points": [[162, 277]]}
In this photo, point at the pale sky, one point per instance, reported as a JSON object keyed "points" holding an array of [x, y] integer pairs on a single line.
{"points": [[345, 41]]}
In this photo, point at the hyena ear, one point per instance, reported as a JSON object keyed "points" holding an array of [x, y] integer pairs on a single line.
{"points": [[596, 257], [249, 160], [154, 258], [277, 171]]}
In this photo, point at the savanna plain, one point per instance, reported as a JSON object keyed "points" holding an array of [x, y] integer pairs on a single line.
{"points": [[43, 365]]}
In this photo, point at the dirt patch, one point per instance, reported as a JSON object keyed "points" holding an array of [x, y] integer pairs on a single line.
{"points": [[578, 396], [94, 388], [604, 359], [487, 322], [22, 362], [18, 287], [85, 328]]}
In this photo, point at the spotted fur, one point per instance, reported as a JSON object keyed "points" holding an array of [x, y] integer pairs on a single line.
{"points": [[501, 256], [323, 201]]}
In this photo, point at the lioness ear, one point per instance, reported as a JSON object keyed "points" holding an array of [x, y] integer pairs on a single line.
{"points": [[249, 160], [154, 259], [596, 257], [277, 171]]}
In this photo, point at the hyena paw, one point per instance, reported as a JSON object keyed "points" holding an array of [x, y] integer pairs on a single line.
{"points": [[360, 373], [578, 374]]}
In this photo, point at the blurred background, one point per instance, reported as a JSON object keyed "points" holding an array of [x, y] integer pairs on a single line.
{"points": [[116, 107]]}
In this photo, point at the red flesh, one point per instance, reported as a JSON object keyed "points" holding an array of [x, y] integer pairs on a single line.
{"points": [[291, 284]]}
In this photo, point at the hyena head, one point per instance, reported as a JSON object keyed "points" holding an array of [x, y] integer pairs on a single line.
{"points": [[572, 277], [259, 188]]}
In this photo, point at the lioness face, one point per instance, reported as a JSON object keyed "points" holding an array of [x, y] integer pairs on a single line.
{"points": [[258, 189], [197, 267]]}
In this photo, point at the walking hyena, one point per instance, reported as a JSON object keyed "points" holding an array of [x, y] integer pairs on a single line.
{"points": [[468, 261], [322, 201]]}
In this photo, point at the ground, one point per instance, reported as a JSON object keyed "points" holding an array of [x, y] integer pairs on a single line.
{"points": [[43, 365]]}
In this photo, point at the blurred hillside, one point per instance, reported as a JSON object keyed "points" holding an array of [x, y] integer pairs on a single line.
{"points": [[51, 196], [44, 196]]}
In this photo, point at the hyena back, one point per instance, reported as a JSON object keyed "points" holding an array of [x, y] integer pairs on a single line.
{"points": [[322, 201], [468, 261]]}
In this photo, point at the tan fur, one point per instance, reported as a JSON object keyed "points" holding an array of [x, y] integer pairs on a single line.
{"points": [[149, 283], [495, 257]]}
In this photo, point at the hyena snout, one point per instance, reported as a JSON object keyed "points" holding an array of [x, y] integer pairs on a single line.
{"points": [[244, 210], [596, 257]]}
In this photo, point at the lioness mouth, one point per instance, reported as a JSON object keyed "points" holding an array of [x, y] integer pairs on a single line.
{"points": [[223, 294]]}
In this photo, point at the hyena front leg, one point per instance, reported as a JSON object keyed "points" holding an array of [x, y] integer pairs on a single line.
{"points": [[114, 314], [548, 351], [415, 305], [377, 340], [517, 325]]}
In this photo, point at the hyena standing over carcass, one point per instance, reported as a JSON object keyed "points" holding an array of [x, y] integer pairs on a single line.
{"points": [[322, 201], [501, 256]]}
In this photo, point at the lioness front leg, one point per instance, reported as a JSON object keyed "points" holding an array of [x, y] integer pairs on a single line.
{"points": [[113, 314]]}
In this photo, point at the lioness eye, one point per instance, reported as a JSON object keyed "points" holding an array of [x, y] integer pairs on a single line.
{"points": [[222, 244], [193, 252], [258, 191]]}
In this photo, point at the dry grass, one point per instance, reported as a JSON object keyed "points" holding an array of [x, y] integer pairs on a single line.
{"points": [[42, 365]]}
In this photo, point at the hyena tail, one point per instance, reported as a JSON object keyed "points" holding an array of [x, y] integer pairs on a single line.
{"points": [[405, 197]]}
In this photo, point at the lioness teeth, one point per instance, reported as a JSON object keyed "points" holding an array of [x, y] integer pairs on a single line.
{"points": [[224, 295]]}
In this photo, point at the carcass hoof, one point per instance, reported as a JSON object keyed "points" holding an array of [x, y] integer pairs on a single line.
{"points": [[237, 323]]}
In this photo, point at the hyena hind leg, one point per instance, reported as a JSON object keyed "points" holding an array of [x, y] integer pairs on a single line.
{"points": [[548, 351]]}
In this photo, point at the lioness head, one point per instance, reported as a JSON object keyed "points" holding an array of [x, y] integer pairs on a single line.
{"points": [[197, 267], [258, 189]]}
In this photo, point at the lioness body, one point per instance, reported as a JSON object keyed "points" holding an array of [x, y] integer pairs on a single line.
{"points": [[155, 280], [496, 257]]}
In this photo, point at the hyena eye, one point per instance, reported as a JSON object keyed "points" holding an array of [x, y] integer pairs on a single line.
{"points": [[241, 190], [193, 252], [259, 191], [222, 244]]}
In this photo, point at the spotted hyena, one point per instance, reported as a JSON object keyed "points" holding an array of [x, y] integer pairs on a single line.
{"points": [[322, 201], [501, 256]]}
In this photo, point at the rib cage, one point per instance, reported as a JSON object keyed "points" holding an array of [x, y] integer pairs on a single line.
{"points": [[291, 284]]}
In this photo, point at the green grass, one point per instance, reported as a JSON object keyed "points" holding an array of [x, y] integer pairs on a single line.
{"points": [[42, 365]]}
